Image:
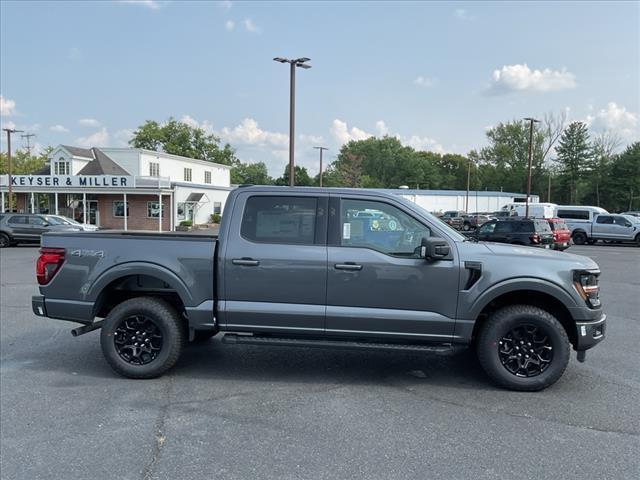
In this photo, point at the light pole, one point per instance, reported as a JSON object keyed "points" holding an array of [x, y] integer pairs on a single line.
{"points": [[466, 206], [9, 132], [321, 149], [531, 122], [297, 62]]}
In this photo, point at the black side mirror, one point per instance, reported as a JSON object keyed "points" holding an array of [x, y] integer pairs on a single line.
{"points": [[434, 248]]}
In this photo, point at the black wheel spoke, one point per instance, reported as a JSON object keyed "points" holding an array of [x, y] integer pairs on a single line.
{"points": [[138, 340], [525, 351]]}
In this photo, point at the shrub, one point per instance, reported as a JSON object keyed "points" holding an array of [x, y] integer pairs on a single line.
{"points": [[215, 218], [186, 223]]}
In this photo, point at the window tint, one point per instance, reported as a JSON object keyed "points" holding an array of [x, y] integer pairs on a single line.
{"points": [[574, 214], [504, 227], [280, 220], [487, 228], [542, 226], [620, 221], [18, 219], [381, 227], [36, 221], [606, 219]]}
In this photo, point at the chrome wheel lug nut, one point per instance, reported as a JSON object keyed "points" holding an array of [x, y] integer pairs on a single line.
{"points": [[521, 342]]}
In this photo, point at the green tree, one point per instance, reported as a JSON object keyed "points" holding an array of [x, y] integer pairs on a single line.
{"points": [[622, 190], [250, 173], [22, 163], [574, 156], [302, 178], [178, 138]]}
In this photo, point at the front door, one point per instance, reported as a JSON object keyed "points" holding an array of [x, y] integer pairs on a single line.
{"points": [[378, 286], [275, 264], [93, 215]]}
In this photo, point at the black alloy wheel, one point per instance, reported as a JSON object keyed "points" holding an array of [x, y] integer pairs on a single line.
{"points": [[526, 351], [138, 340]]}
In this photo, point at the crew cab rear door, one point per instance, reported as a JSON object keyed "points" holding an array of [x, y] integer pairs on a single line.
{"points": [[378, 285], [275, 263]]}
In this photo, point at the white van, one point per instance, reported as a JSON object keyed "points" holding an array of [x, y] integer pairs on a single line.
{"points": [[536, 210], [579, 218]]}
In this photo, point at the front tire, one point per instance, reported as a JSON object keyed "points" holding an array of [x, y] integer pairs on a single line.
{"points": [[579, 238], [523, 348], [5, 241], [142, 337]]}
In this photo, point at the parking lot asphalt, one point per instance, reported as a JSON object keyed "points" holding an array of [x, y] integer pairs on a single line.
{"points": [[244, 412]]}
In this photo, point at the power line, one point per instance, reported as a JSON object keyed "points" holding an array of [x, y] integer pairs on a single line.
{"points": [[28, 140]]}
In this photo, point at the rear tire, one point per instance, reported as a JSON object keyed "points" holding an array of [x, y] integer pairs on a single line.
{"points": [[5, 241], [515, 331], [579, 238], [638, 240], [142, 337]]}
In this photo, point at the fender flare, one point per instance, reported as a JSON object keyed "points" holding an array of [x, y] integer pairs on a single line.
{"points": [[139, 268], [518, 284]]}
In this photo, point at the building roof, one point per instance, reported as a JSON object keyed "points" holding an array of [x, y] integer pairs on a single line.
{"points": [[77, 151], [101, 165], [44, 170], [169, 155]]}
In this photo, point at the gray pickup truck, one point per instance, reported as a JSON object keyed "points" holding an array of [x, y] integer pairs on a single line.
{"points": [[336, 268]]}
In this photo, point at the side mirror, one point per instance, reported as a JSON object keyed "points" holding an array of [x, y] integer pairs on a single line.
{"points": [[434, 248]]}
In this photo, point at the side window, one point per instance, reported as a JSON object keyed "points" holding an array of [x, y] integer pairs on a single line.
{"points": [[503, 227], [574, 214], [36, 221], [488, 228], [18, 220], [286, 220], [606, 219], [381, 227], [620, 221]]}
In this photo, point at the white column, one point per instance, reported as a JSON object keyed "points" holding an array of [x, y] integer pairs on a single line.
{"points": [[171, 209], [160, 212], [84, 208], [33, 208], [125, 212], [56, 195], [2, 204]]}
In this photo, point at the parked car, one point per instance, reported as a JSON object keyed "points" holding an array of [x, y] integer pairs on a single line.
{"points": [[283, 272], [605, 226], [87, 227], [473, 221], [536, 210], [579, 219], [454, 218], [18, 228], [634, 213], [561, 233], [517, 231]]}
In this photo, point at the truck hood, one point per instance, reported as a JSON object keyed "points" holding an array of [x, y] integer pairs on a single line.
{"points": [[574, 262]]}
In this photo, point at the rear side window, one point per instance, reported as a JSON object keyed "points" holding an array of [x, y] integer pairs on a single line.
{"points": [[524, 227], [18, 220], [606, 219], [36, 221], [574, 214], [504, 227], [288, 220], [542, 226]]}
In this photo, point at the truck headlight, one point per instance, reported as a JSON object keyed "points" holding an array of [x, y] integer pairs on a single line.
{"points": [[586, 283]]}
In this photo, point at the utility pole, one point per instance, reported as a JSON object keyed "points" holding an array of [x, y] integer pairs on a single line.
{"points": [[466, 207], [298, 62], [28, 137], [549, 189], [9, 132], [531, 122], [321, 149]]}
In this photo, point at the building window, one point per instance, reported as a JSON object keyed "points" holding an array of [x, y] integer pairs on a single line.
{"points": [[207, 177], [118, 208], [153, 210], [217, 207], [181, 207], [187, 174], [154, 169], [61, 167]]}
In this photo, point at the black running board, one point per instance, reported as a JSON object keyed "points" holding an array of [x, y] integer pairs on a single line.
{"points": [[232, 338]]}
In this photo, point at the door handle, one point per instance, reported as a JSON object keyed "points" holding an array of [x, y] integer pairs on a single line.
{"points": [[348, 266], [247, 262]]}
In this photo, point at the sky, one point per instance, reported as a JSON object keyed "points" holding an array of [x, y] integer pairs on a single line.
{"points": [[435, 75]]}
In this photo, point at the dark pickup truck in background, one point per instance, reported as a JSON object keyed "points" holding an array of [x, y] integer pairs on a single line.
{"points": [[328, 268]]}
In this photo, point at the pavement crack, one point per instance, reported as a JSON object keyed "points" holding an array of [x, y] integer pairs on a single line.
{"points": [[159, 433]]}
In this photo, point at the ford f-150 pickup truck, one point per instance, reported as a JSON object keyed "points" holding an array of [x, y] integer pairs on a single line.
{"points": [[312, 267]]}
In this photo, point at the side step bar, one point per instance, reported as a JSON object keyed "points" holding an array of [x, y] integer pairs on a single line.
{"points": [[233, 338]]}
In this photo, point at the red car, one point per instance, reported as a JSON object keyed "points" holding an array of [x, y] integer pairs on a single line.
{"points": [[561, 233]]}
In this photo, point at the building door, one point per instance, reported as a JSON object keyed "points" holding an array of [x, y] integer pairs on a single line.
{"points": [[93, 215]]}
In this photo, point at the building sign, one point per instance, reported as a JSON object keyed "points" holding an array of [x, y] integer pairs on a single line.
{"points": [[70, 181]]}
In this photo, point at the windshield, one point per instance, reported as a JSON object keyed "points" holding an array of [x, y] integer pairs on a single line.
{"points": [[55, 220], [450, 231], [632, 219]]}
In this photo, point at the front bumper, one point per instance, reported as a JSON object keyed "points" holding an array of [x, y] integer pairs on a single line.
{"points": [[589, 334]]}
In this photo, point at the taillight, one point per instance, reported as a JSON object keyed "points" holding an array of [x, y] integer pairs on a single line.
{"points": [[535, 238], [48, 264]]}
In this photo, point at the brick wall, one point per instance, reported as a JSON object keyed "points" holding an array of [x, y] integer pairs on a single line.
{"points": [[137, 219]]}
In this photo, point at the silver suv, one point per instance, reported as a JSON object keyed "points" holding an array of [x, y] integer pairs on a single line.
{"points": [[18, 228]]}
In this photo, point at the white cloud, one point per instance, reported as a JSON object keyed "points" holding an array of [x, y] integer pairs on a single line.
{"points": [[340, 131], [150, 4], [520, 77], [7, 106], [89, 122], [7, 124], [229, 25], [423, 143], [123, 136], [462, 14], [58, 128], [250, 26], [249, 133], [97, 139], [616, 119], [381, 128], [314, 140], [424, 81], [192, 122]]}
